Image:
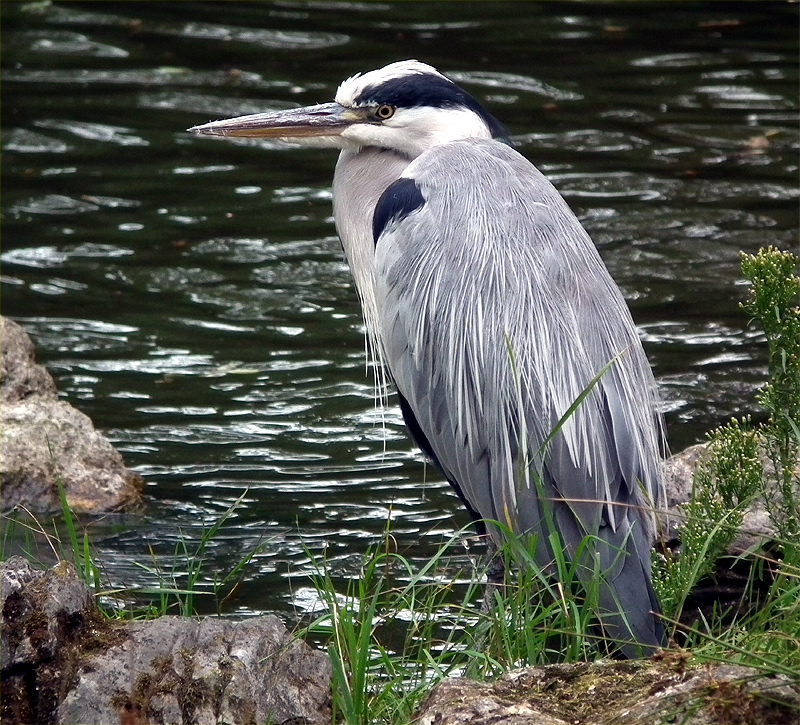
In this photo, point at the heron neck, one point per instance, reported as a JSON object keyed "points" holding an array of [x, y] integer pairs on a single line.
{"points": [[361, 177]]}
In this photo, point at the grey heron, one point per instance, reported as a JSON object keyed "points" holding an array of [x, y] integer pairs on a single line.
{"points": [[493, 313]]}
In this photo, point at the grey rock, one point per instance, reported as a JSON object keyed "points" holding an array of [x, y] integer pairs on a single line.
{"points": [[678, 472], [62, 662], [44, 617], [180, 670], [616, 693], [458, 700], [20, 376], [44, 439], [38, 608], [716, 694]]}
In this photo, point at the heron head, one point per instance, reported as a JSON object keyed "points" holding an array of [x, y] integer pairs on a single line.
{"points": [[406, 107]]}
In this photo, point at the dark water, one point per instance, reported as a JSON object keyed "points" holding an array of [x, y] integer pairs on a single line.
{"points": [[190, 294]]}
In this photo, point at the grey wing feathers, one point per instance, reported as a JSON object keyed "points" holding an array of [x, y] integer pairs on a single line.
{"points": [[495, 312]]}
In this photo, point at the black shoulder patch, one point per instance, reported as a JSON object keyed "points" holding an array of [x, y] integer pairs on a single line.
{"points": [[398, 201]]}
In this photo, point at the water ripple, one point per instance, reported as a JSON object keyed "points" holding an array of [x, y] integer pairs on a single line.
{"points": [[52, 204], [69, 43], [514, 82], [96, 132], [29, 142], [272, 39]]}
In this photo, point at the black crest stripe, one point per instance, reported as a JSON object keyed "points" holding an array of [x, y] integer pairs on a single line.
{"points": [[426, 89]]}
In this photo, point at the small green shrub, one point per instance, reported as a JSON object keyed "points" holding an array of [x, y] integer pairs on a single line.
{"points": [[746, 462]]}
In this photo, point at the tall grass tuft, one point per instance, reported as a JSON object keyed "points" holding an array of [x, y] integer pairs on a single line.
{"points": [[188, 577], [173, 591], [394, 631]]}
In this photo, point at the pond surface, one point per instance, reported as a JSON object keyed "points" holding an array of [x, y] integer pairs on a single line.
{"points": [[190, 295]]}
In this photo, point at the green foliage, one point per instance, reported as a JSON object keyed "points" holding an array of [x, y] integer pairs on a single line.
{"points": [[392, 634], [395, 631], [745, 463], [177, 589], [775, 302], [172, 592], [81, 555], [535, 617], [724, 485]]}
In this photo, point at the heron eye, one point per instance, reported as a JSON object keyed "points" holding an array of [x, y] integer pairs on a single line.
{"points": [[385, 111]]}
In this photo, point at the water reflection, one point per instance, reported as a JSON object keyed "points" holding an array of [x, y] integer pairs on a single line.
{"points": [[191, 296]]}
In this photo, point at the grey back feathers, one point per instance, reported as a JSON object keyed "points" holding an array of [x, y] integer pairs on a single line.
{"points": [[481, 300], [480, 311]]}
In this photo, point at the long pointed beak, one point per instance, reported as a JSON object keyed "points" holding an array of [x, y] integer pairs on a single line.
{"points": [[326, 119]]}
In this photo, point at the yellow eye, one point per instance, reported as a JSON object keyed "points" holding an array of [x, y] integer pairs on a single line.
{"points": [[385, 111]]}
